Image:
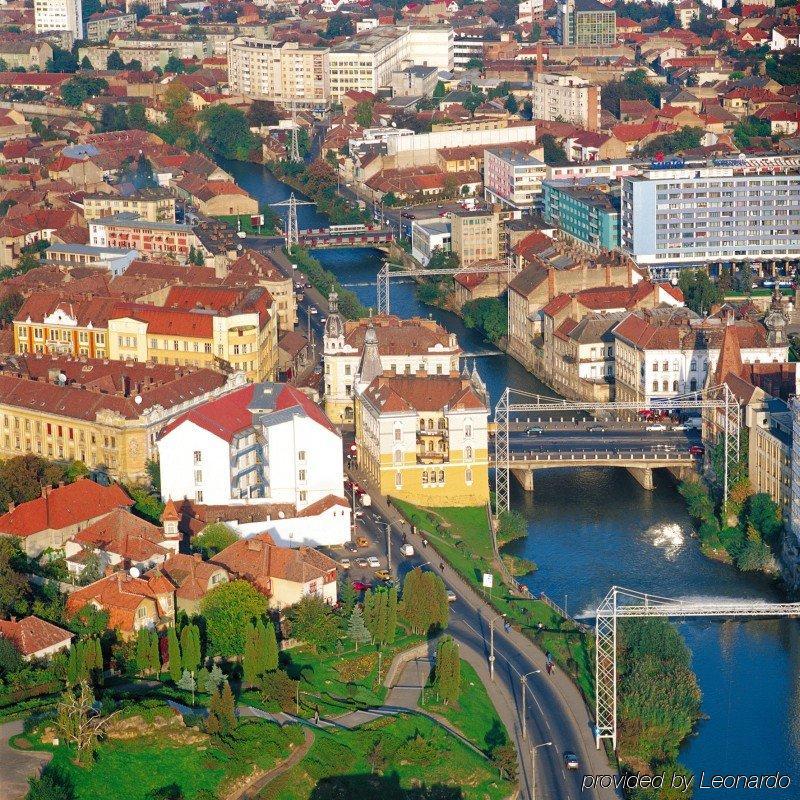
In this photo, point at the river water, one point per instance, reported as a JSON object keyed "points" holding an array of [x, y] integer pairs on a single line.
{"points": [[591, 529]]}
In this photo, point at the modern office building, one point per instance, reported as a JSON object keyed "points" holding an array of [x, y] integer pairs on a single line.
{"points": [[512, 178], [59, 15], [713, 216], [476, 236], [566, 98], [585, 22], [587, 212], [284, 72], [427, 237]]}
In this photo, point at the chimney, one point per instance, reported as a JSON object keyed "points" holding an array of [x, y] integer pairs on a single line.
{"points": [[11, 505]]}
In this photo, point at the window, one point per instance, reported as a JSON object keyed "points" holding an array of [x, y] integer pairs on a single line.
{"points": [[655, 366], [142, 612], [398, 480], [441, 476], [655, 386], [674, 386], [665, 366], [468, 477], [398, 456], [397, 434], [198, 476], [665, 386], [301, 475], [301, 455], [198, 457], [468, 430], [693, 366], [424, 477], [693, 385], [468, 453], [303, 496], [198, 496]]}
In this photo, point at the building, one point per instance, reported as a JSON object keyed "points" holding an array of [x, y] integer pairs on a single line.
{"points": [[285, 575], [428, 237], [585, 211], [61, 513], [566, 98], [466, 47], [663, 353], [153, 6], [218, 327], [512, 178], [131, 603], [415, 81], [152, 205], [404, 346], [59, 15], [421, 437], [476, 236], [284, 72], [35, 638], [192, 578], [674, 218], [26, 53], [104, 413], [128, 231], [585, 23], [263, 444], [253, 267], [115, 260], [101, 25]]}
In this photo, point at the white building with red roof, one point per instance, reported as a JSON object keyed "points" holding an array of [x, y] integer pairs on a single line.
{"points": [[34, 637], [265, 446]]}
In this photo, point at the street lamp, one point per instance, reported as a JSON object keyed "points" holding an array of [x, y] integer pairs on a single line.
{"points": [[524, 680], [534, 748], [491, 643]]}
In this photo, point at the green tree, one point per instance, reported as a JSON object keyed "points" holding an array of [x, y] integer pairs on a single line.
{"points": [[174, 655], [188, 683], [339, 25], [15, 593], [9, 306], [221, 720], [356, 629], [213, 539], [263, 112], [143, 651], [364, 114], [11, 661], [250, 661], [268, 660], [226, 132], [62, 61], [190, 647], [278, 690], [53, 783], [114, 61], [175, 65], [314, 622], [447, 673], [227, 610], [155, 655], [390, 629], [488, 314], [424, 601], [512, 104], [86, 64], [698, 291], [554, 153]]}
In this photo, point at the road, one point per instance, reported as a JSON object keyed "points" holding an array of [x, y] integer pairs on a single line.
{"points": [[556, 711]]}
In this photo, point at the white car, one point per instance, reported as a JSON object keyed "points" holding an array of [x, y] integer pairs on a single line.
{"points": [[373, 562], [345, 563], [680, 427], [656, 426]]}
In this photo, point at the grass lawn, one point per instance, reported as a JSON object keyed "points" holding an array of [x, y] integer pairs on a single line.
{"points": [[462, 536], [386, 759], [267, 229], [134, 768], [338, 682], [473, 714]]}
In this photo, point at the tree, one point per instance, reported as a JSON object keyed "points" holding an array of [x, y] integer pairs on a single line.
{"points": [[357, 630], [77, 724], [174, 64], [143, 651], [250, 660], [227, 610], [213, 539], [504, 758], [263, 112], [11, 660], [15, 592], [62, 61], [554, 153], [86, 64], [10, 305], [698, 291], [114, 61], [278, 690], [53, 783], [475, 99], [226, 131], [364, 114], [269, 647], [447, 672], [89, 7], [174, 651], [488, 314], [313, 622], [390, 628], [188, 683], [221, 720], [424, 601], [512, 104], [339, 25], [141, 10], [137, 118], [475, 63], [190, 647]]}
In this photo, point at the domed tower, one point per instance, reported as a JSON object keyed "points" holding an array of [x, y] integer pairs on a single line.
{"points": [[776, 320], [333, 337]]}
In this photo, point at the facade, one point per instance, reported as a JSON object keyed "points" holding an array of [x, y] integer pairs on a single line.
{"points": [[512, 178], [405, 346], [770, 449], [673, 218], [585, 23], [152, 205], [59, 15], [129, 231], [30, 55], [423, 438], [586, 212], [192, 578], [566, 98], [101, 25], [255, 268], [475, 236], [466, 48], [415, 81], [115, 260], [35, 638], [285, 72], [104, 413], [265, 444], [426, 237]]}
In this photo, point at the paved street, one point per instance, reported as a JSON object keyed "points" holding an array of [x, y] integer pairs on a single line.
{"points": [[17, 765]]}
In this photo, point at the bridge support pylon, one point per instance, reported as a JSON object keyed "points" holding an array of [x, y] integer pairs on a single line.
{"points": [[525, 478], [643, 476]]}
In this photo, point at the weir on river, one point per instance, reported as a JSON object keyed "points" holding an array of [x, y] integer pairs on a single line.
{"points": [[590, 529]]}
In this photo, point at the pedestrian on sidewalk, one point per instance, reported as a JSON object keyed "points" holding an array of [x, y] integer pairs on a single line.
{"points": [[441, 566], [316, 715], [424, 542]]}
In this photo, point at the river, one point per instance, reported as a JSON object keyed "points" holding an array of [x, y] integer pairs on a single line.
{"points": [[591, 529]]}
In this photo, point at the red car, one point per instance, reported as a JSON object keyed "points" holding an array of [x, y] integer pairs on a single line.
{"points": [[360, 586], [697, 450]]}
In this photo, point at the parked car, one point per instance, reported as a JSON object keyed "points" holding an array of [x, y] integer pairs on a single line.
{"points": [[571, 760], [383, 575], [697, 450], [362, 562], [313, 310], [656, 426], [360, 586], [345, 563], [596, 429], [350, 547], [362, 541], [679, 427], [407, 550], [534, 431], [373, 562]]}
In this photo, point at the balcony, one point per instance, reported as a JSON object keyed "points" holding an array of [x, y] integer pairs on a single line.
{"points": [[432, 457]]}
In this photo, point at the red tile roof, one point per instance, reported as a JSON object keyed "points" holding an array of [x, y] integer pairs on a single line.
{"points": [[224, 416], [120, 532], [31, 635]]}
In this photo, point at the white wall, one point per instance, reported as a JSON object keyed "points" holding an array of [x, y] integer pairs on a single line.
{"points": [[440, 139], [330, 528]]}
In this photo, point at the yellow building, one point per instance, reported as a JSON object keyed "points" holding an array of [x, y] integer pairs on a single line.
{"points": [[104, 413], [423, 438], [153, 205]]}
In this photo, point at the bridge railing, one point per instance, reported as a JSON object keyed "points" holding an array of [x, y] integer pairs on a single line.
{"points": [[601, 455]]}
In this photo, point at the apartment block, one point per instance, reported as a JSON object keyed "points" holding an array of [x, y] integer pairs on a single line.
{"points": [[284, 72], [585, 23], [59, 15], [566, 98], [128, 231], [153, 205], [673, 218], [587, 212], [512, 178], [102, 24], [476, 236]]}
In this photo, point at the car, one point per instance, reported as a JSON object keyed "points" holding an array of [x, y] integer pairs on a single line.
{"points": [[656, 426], [313, 310], [596, 429], [345, 563], [571, 760], [362, 541], [322, 320], [679, 427], [306, 285], [360, 586], [383, 575], [362, 562], [300, 297], [534, 431], [350, 547], [373, 562], [318, 369], [451, 596], [697, 450]]}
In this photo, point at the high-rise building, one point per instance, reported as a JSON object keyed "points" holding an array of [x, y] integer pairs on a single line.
{"points": [[512, 178], [284, 72], [585, 22], [566, 98], [672, 218], [475, 236], [59, 15]]}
